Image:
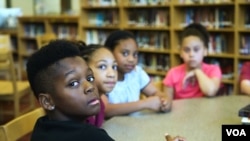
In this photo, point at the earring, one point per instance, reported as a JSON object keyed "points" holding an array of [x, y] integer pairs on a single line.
{"points": [[52, 108]]}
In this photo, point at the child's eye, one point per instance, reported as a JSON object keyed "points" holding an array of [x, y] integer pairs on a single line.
{"points": [[125, 53], [74, 84], [102, 67], [91, 78], [114, 67], [196, 49], [136, 54], [186, 50]]}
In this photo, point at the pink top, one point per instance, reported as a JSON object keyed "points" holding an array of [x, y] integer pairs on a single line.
{"points": [[245, 71], [174, 78], [98, 119]]}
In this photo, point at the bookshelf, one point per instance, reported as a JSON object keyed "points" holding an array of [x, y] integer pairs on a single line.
{"points": [[29, 27], [157, 25], [98, 19], [150, 23]]}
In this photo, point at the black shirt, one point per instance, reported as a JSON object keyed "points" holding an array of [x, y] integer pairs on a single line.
{"points": [[51, 130]]}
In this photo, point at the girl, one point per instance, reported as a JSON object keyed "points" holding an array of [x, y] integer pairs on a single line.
{"points": [[104, 67], [132, 80], [194, 78]]}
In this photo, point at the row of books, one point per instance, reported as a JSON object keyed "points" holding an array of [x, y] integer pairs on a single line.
{"points": [[31, 47], [102, 2], [152, 17], [156, 62], [203, 1], [218, 18], [103, 18], [245, 45], [148, 2], [32, 30], [152, 39], [145, 39], [247, 18], [225, 89], [218, 44], [226, 66], [96, 36], [65, 31]]}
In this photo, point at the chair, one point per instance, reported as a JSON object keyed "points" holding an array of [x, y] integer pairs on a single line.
{"points": [[11, 89], [5, 41], [44, 39], [157, 84], [20, 126]]}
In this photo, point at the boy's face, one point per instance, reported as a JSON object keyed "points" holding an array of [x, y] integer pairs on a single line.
{"points": [[75, 95], [126, 55], [104, 66]]}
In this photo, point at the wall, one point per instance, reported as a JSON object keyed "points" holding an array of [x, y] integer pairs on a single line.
{"points": [[25, 5], [75, 5], [51, 6], [2, 4]]}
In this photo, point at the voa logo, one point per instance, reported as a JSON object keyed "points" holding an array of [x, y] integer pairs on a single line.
{"points": [[236, 132]]}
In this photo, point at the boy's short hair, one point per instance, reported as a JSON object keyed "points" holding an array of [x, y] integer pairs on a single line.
{"points": [[39, 75]]}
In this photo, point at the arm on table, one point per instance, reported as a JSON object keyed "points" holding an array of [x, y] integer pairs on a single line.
{"points": [[111, 110], [245, 86]]}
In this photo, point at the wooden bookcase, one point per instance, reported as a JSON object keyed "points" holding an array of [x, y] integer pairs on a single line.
{"points": [[97, 20], [157, 25], [29, 27]]}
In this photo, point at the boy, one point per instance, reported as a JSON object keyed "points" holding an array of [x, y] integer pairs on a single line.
{"points": [[64, 86]]}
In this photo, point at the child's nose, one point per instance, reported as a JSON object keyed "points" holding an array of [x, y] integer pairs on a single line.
{"points": [[88, 87], [111, 72], [131, 58], [191, 53]]}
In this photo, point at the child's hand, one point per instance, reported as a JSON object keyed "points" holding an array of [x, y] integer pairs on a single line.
{"points": [[153, 103], [165, 105], [189, 78]]}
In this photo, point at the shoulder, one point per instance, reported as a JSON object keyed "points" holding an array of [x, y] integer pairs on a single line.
{"points": [[137, 72], [138, 69], [246, 64], [209, 66], [95, 133], [177, 69]]}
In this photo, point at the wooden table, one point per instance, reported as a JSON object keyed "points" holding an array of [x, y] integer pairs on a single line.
{"points": [[198, 119]]}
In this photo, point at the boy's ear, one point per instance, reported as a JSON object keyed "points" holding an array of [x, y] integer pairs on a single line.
{"points": [[46, 101]]}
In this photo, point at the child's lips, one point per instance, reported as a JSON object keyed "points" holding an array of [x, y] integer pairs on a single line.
{"points": [[110, 83], [130, 67], [94, 102]]}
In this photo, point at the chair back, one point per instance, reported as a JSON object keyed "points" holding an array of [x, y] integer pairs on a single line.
{"points": [[7, 68], [12, 89], [5, 41], [20, 126], [44, 39]]}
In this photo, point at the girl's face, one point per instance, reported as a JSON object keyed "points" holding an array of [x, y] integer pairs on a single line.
{"points": [[193, 51], [126, 55], [75, 95], [104, 66]]}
